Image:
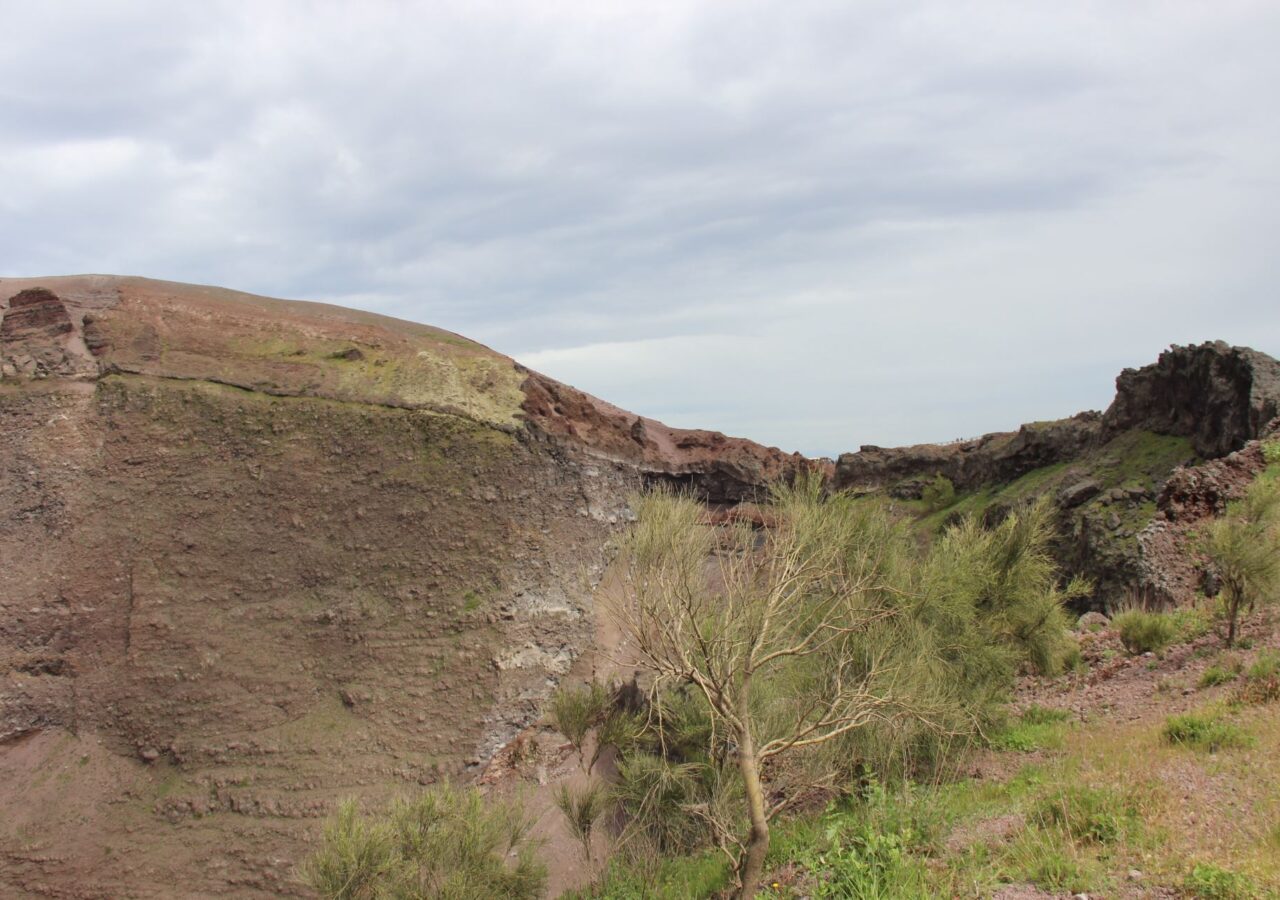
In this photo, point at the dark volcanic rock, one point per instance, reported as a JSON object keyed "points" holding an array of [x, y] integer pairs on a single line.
{"points": [[990, 459], [1080, 492], [1217, 395]]}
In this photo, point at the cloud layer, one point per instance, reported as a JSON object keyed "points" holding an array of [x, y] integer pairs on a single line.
{"points": [[815, 224]]}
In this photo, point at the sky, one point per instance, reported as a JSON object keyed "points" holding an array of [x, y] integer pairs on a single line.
{"points": [[814, 224]]}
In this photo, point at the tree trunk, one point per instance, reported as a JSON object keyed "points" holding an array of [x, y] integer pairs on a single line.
{"points": [[1233, 610], [751, 868]]}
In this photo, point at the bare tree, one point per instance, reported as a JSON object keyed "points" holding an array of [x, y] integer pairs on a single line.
{"points": [[803, 605]]}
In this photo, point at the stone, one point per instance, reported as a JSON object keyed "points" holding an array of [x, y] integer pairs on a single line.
{"points": [[1078, 493]]}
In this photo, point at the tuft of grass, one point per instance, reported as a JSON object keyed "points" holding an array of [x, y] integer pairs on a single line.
{"points": [[1144, 632], [1209, 882], [1202, 731], [1050, 860], [1227, 668], [1088, 814]]}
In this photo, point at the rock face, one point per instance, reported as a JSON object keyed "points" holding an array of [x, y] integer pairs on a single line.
{"points": [[1104, 472], [992, 458], [259, 555], [38, 339], [1172, 567], [1217, 395]]}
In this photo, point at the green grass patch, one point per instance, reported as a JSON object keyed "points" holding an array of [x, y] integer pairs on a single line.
{"points": [[660, 878], [1203, 731], [1225, 669], [1209, 882], [1037, 728], [1144, 632]]}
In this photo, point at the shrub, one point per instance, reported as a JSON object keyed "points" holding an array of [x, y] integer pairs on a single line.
{"points": [[574, 711], [447, 843], [938, 493], [1203, 732], [1244, 546], [864, 861], [1190, 622], [1144, 632], [582, 809], [1210, 882]]}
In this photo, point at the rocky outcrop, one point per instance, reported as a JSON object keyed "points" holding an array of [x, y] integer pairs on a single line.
{"points": [[990, 459], [1104, 472], [1217, 395], [38, 338], [1171, 565]]}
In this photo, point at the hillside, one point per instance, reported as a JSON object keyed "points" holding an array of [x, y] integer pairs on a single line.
{"points": [[262, 554], [1111, 475]]}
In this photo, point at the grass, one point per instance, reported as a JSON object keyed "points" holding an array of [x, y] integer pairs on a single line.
{"points": [[1225, 669], [1210, 882], [1037, 728], [1093, 815], [1144, 632], [1261, 679], [1203, 731]]}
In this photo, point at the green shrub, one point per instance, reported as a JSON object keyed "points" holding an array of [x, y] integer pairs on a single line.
{"points": [[574, 711], [866, 863], [939, 493], [582, 810], [1200, 731], [1227, 668], [1144, 632], [1210, 882], [445, 843], [1267, 665], [1190, 622], [1244, 546], [1271, 451]]}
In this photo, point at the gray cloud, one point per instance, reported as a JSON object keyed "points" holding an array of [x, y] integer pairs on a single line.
{"points": [[816, 224]]}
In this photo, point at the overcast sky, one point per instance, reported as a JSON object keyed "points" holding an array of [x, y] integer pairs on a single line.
{"points": [[815, 224]]}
